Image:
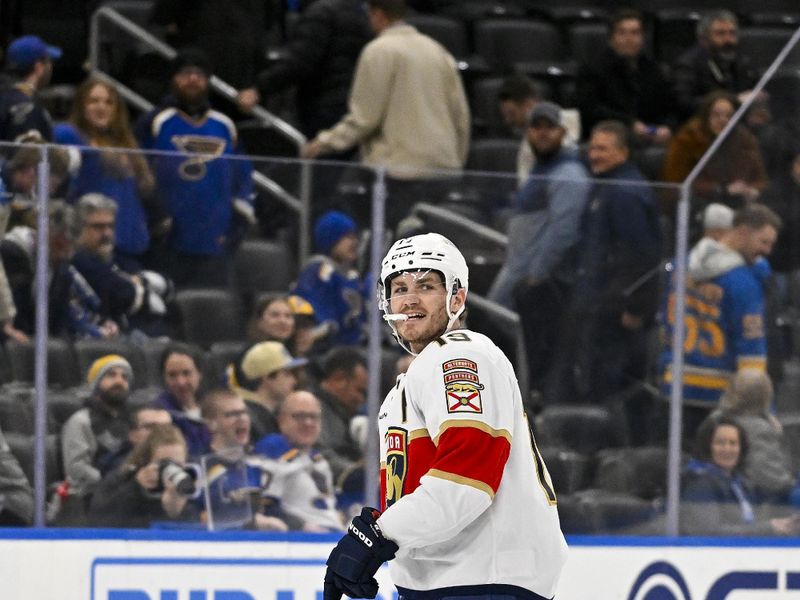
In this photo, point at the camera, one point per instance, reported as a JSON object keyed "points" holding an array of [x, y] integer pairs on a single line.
{"points": [[182, 478]]}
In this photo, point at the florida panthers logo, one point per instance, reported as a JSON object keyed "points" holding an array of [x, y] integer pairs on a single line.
{"points": [[396, 463], [462, 386]]}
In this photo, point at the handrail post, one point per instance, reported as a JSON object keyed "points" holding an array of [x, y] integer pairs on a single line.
{"points": [[40, 339], [374, 358]]}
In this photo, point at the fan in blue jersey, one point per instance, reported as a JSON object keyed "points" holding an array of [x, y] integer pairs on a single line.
{"points": [[28, 68], [330, 280], [724, 323], [205, 185]]}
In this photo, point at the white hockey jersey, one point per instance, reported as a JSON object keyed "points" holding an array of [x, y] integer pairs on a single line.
{"points": [[466, 495]]}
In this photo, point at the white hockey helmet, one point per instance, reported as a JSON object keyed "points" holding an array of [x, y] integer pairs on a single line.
{"points": [[427, 251]]}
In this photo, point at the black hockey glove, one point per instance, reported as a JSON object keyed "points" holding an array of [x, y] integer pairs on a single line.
{"points": [[354, 561]]}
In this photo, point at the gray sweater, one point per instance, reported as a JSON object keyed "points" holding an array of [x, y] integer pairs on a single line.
{"points": [[16, 495]]}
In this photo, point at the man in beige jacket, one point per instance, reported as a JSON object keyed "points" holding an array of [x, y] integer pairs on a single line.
{"points": [[407, 109]]}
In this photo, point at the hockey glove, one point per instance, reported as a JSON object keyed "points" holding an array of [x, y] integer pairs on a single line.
{"points": [[354, 561]]}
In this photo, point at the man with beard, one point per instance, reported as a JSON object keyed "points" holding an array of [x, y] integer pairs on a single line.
{"points": [[725, 312], [714, 63], [94, 434], [547, 210], [543, 233], [207, 194], [516, 99], [29, 65], [134, 301]]}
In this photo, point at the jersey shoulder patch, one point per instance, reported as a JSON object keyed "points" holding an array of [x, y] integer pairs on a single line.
{"points": [[462, 386]]}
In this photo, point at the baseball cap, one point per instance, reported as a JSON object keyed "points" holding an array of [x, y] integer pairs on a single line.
{"points": [[300, 306], [266, 358], [23, 52], [549, 111]]}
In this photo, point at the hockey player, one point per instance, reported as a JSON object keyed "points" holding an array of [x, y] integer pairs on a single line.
{"points": [[469, 507]]}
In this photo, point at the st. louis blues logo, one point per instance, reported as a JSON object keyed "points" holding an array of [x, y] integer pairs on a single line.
{"points": [[203, 149], [396, 463], [462, 386]]}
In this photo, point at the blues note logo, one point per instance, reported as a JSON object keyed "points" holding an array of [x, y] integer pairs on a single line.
{"points": [[203, 149]]}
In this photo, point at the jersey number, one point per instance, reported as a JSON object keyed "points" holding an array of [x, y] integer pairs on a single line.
{"points": [[453, 336], [541, 471], [702, 333]]}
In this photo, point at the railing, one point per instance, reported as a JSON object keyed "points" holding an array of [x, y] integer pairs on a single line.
{"points": [[300, 205]]}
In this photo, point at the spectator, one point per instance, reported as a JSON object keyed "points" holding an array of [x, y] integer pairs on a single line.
{"points": [[407, 111], [735, 174], [264, 376], [99, 120], [342, 392], [228, 420], [16, 495], [138, 494], [288, 319], [617, 285], [715, 498], [320, 60], [136, 301], [74, 310], [303, 481], [517, 97], [547, 211], [142, 419], [625, 84], [713, 64], [309, 335], [29, 65], [767, 465], [19, 173], [94, 434], [272, 320], [330, 280], [8, 310], [725, 323], [182, 375], [206, 190], [235, 482], [717, 222]]}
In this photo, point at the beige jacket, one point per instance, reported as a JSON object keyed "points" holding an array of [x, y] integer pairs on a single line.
{"points": [[407, 107]]}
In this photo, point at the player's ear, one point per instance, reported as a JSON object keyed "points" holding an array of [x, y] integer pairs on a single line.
{"points": [[458, 299]]}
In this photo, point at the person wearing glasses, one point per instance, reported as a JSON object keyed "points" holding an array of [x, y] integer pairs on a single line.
{"points": [[302, 479], [134, 301], [235, 482]]}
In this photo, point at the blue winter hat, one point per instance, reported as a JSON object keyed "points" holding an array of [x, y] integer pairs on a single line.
{"points": [[330, 228], [23, 52]]}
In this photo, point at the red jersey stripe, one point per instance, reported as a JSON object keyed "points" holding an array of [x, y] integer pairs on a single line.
{"points": [[471, 455]]}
